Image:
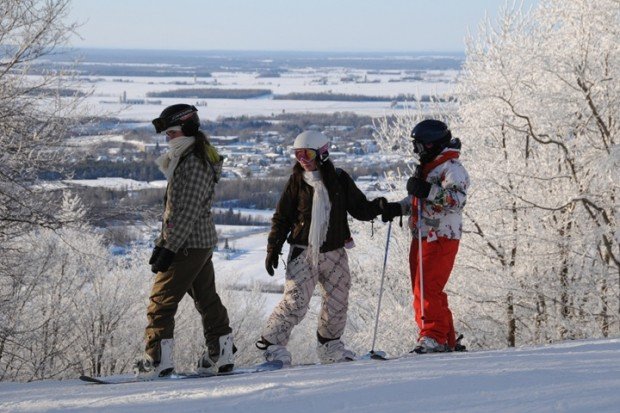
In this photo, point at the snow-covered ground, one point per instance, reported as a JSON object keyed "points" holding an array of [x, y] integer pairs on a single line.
{"points": [[579, 376]]}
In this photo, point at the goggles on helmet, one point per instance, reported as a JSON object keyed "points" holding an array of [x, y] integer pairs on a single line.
{"points": [[305, 154], [160, 125], [163, 123]]}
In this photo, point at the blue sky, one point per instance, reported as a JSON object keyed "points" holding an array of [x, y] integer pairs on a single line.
{"points": [[304, 25]]}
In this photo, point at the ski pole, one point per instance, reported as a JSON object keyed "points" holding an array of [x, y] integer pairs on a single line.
{"points": [[420, 261], [387, 246]]}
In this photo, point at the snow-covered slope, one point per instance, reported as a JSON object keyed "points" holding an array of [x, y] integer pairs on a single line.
{"points": [[577, 376]]}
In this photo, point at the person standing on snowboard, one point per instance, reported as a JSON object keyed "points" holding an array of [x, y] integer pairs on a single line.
{"points": [[312, 216], [182, 257], [439, 188]]}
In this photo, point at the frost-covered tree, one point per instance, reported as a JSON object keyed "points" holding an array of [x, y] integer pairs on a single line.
{"points": [[69, 306], [38, 328], [538, 105], [106, 312], [539, 100], [36, 110]]}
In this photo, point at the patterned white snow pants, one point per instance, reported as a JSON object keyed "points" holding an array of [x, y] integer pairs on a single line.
{"points": [[301, 278]]}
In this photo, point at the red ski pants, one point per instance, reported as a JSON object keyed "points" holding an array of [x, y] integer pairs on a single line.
{"points": [[437, 261]]}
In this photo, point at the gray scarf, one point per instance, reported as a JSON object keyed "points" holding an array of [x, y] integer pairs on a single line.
{"points": [[168, 162]]}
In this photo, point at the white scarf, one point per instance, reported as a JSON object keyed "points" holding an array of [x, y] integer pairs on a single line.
{"points": [[168, 162], [319, 223]]}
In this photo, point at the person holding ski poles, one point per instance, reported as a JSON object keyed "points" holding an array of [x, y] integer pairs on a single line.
{"points": [[182, 257], [312, 216], [437, 195]]}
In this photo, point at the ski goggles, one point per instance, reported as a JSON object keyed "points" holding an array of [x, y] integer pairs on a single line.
{"points": [[419, 147], [305, 154]]}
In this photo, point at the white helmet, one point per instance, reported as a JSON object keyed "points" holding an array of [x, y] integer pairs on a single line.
{"points": [[310, 139], [313, 140]]}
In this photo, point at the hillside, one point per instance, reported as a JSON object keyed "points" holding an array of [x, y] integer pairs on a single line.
{"points": [[579, 376]]}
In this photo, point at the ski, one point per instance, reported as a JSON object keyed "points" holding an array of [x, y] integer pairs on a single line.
{"points": [[374, 355], [123, 379], [381, 355]]}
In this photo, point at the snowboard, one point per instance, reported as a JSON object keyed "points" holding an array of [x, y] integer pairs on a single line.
{"points": [[266, 366]]}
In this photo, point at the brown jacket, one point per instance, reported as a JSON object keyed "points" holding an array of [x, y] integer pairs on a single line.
{"points": [[291, 221]]}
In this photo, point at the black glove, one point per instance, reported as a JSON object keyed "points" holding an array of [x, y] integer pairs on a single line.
{"points": [[419, 171], [154, 255], [418, 187], [163, 261], [378, 204], [271, 262], [391, 210]]}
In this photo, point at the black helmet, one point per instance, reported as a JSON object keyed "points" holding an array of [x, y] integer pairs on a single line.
{"points": [[430, 137], [180, 114]]}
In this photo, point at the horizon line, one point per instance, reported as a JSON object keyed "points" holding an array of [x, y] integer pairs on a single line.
{"points": [[147, 49]]}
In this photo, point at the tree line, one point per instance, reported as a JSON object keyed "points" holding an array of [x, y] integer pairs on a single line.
{"points": [[211, 93]]}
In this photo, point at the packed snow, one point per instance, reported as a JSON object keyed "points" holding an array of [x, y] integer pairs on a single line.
{"points": [[579, 376]]}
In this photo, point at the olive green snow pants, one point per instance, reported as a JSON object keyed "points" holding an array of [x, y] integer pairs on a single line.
{"points": [[191, 272]]}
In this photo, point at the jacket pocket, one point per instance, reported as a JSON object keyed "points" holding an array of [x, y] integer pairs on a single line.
{"points": [[297, 230]]}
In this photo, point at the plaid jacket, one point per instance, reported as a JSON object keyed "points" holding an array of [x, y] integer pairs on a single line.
{"points": [[187, 220]]}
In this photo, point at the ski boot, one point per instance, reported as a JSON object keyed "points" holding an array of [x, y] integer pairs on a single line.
{"points": [[429, 345]]}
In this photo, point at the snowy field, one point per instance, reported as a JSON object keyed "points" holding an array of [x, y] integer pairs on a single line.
{"points": [[107, 91], [580, 376], [244, 107]]}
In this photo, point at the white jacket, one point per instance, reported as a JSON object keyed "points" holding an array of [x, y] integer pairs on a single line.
{"points": [[442, 210]]}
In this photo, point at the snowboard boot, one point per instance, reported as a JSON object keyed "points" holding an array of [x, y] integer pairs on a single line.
{"points": [[274, 352], [219, 356], [429, 345], [334, 351], [147, 368]]}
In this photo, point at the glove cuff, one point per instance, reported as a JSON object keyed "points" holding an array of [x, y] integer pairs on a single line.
{"points": [[274, 248]]}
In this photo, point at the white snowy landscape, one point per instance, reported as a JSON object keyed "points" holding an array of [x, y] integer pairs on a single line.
{"points": [[108, 90], [534, 99], [579, 377]]}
